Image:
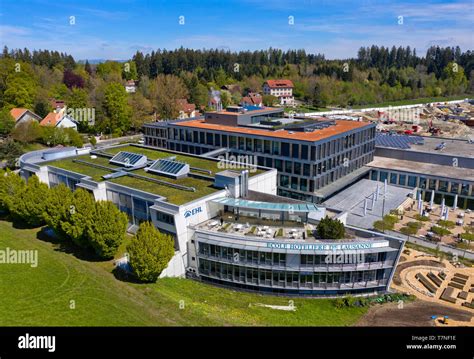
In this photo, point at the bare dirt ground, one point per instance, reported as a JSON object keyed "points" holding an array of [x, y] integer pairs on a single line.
{"points": [[415, 314], [426, 305]]}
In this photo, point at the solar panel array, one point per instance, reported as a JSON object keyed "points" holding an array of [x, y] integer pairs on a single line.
{"points": [[128, 159], [403, 142], [169, 167]]}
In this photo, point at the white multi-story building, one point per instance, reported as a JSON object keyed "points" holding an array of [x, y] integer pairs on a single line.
{"points": [[283, 89]]}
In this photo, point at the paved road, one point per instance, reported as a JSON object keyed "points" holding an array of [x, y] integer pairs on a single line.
{"points": [[461, 253]]}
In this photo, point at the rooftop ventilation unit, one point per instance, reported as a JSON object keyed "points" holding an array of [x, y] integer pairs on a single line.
{"points": [[128, 159], [170, 168]]}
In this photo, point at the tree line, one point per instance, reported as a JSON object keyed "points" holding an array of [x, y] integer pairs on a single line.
{"points": [[378, 74], [97, 227]]}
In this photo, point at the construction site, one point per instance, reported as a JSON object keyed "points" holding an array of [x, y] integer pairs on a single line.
{"points": [[454, 119]]}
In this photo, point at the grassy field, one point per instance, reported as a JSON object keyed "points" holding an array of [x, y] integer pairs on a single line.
{"points": [[42, 296]]}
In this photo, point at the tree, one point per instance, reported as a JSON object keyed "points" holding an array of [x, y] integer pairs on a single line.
{"points": [[269, 100], [27, 132], [141, 110], [80, 217], [150, 252], [29, 205], [117, 109], [107, 230], [7, 122], [440, 231], [72, 80], [164, 92], [10, 151], [88, 68], [77, 99], [129, 71], [11, 185], [42, 107], [329, 228], [59, 207]]}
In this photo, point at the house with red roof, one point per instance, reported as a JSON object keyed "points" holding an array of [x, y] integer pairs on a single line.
{"points": [[252, 99], [22, 115], [283, 89], [186, 109], [59, 118]]}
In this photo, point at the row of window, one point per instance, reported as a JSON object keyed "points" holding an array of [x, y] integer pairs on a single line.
{"points": [[286, 279], [274, 259], [422, 182], [285, 149], [305, 185], [55, 179], [136, 209]]}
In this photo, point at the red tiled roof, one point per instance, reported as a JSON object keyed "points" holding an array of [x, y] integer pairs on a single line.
{"points": [[17, 112], [252, 99], [185, 106], [279, 83], [51, 119], [341, 126]]}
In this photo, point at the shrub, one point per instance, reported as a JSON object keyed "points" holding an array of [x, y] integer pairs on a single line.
{"points": [[28, 204], [150, 252], [446, 224], [329, 228], [107, 230], [421, 218]]}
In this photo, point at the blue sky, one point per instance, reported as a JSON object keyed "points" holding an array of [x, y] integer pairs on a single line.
{"points": [[337, 28]]}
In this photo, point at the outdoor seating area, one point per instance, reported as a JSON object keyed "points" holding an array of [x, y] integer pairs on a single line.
{"points": [[264, 231]]}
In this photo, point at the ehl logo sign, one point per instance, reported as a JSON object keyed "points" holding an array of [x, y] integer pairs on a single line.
{"points": [[192, 212]]}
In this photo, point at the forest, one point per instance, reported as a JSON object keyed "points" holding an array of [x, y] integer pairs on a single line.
{"points": [[30, 79]]}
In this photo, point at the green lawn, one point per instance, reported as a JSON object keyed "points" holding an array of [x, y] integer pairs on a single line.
{"points": [[41, 296], [198, 162]]}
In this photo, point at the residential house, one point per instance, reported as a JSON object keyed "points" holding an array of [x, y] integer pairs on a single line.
{"points": [[57, 104], [283, 89], [22, 115], [59, 118], [252, 99], [186, 109], [131, 86]]}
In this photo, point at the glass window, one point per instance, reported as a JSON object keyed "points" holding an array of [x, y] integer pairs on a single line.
{"points": [[443, 186], [422, 182], [297, 168], [454, 187], [266, 146], [393, 178], [383, 176], [374, 175], [279, 165], [294, 182], [285, 149], [284, 181], [304, 152], [412, 181], [306, 170], [295, 150], [402, 179], [276, 148]]}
